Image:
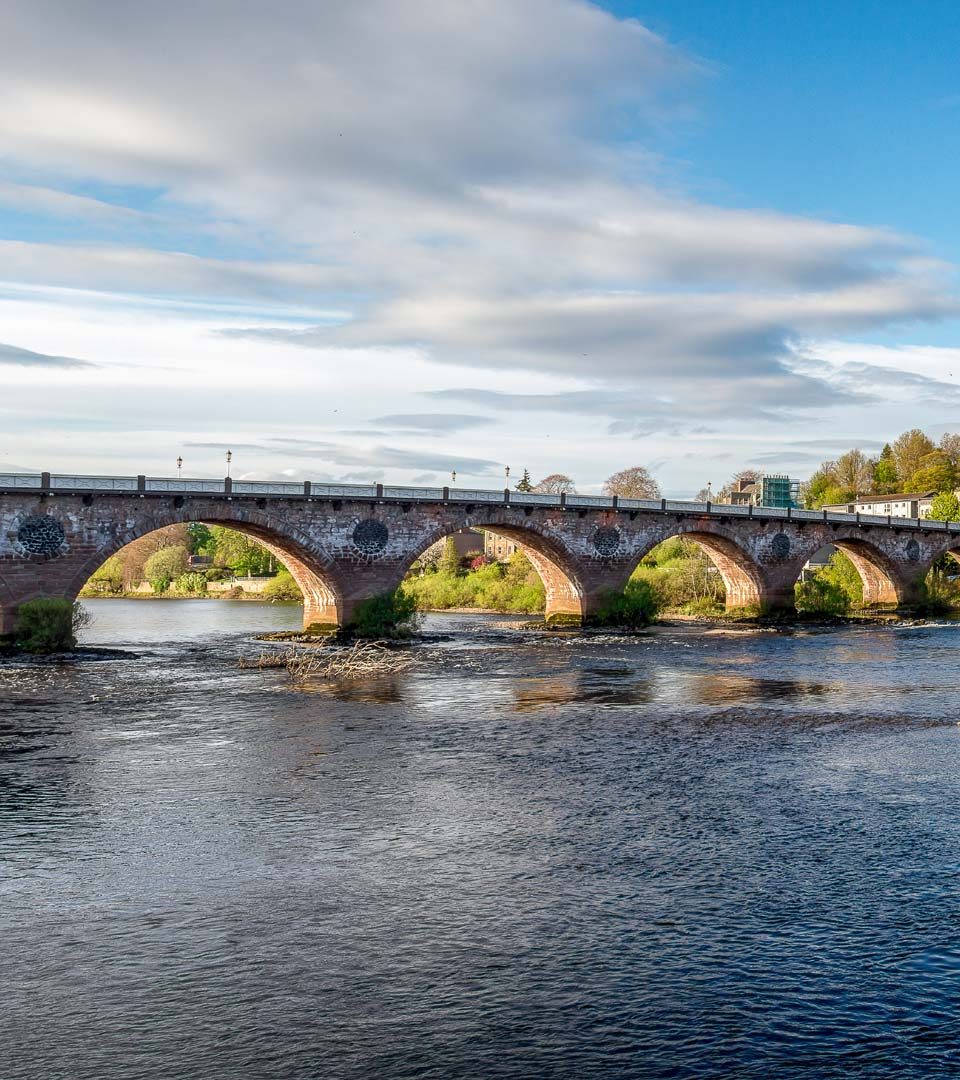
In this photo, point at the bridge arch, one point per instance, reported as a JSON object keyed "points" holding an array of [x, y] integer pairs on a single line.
{"points": [[555, 566], [887, 583], [743, 580], [312, 570]]}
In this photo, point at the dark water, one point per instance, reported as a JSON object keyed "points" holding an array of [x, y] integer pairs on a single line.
{"points": [[688, 854]]}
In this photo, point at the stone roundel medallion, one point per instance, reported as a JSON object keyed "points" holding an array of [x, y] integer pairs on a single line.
{"points": [[40, 534], [370, 536], [780, 546], [913, 550], [606, 540]]}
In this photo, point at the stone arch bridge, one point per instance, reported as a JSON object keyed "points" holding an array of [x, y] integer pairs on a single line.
{"points": [[345, 543]]}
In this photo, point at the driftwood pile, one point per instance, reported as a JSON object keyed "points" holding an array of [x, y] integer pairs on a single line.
{"points": [[360, 660]]}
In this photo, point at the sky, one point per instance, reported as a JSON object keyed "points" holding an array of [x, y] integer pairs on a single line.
{"points": [[389, 241]]}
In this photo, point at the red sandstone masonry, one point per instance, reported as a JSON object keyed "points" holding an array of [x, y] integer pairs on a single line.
{"points": [[760, 560]]}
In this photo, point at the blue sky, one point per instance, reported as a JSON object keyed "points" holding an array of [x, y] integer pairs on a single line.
{"points": [[845, 111], [389, 243]]}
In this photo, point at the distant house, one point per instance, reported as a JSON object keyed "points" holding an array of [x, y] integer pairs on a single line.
{"points": [[744, 493], [498, 547], [915, 504], [468, 542]]}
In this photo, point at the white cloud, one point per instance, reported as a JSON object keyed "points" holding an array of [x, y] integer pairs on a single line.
{"points": [[418, 195]]}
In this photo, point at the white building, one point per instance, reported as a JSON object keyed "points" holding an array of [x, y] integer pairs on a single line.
{"points": [[912, 505]]}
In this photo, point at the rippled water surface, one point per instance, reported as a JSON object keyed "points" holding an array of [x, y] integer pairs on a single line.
{"points": [[683, 854]]}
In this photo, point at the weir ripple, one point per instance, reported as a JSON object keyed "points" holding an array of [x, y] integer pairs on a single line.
{"points": [[687, 853]]}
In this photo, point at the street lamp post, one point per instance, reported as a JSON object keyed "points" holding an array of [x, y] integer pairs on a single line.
{"points": [[179, 467], [453, 476], [506, 474], [229, 459]]}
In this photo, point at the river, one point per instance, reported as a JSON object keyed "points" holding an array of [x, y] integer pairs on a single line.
{"points": [[688, 853]]}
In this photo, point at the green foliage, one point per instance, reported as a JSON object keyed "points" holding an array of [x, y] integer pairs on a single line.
{"points": [[240, 553], [909, 450], [283, 587], [934, 473], [833, 590], [166, 564], [635, 607], [450, 559], [190, 583], [822, 488], [817, 596], [683, 577], [49, 625], [107, 580], [512, 588], [525, 483], [202, 540], [945, 507], [160, 584], [390, 615], [885, 480], [939, 593]]}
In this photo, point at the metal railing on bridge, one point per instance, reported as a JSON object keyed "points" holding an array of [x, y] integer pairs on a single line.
{"points": [[76, 484]]}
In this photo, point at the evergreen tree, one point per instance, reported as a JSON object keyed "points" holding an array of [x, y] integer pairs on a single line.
{"points": [[450, 559], [885, 480], [525, 483]]}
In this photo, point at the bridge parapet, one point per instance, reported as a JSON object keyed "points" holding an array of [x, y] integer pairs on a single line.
{"points": [[63, 483]]}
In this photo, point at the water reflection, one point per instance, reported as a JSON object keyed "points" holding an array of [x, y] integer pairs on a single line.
{"points": [[710, 688], [582, 688]]}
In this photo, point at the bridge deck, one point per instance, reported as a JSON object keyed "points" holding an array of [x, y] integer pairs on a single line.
{"points": [[138, 486]]}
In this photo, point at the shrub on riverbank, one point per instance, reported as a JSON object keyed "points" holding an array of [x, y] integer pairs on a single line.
{"points": [[515, 587], [635, 607], [833, 590], [391, 615], [940, 594], [191, 584], [682, 577], [49, 625]]}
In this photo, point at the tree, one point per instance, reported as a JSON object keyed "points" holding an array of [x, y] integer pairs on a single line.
{"points": [[833, 590], [633, 483], [165, 565], [885, 480], [450, 559], [853, 471], [908, 450], [202, 541], [525, 483], [950, 445], [134, 556], [556, 484], [823, 489], [240, 553], [936, 472], [945, 507]]}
